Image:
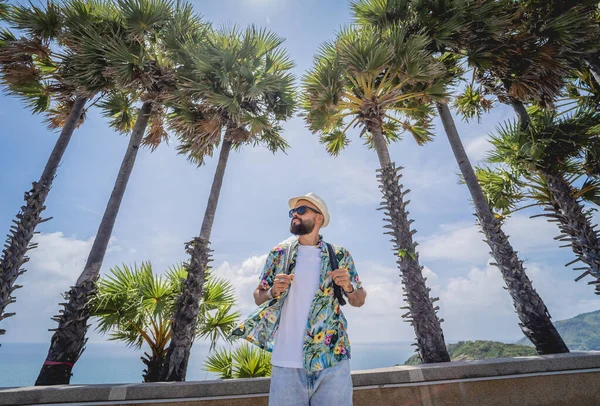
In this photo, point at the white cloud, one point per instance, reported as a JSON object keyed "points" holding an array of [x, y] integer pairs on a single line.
{"points": [[477, 306], [244, 279], [474, 305], [53, 267], [463, 241], [58, 255], [458, 242], [477, 149]]}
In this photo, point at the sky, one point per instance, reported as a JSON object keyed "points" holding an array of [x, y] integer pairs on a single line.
{"points": [[166, 197]]}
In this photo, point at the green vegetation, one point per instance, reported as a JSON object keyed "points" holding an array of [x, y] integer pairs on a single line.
{"points": [[245, 361], [581, 333], [472, 350]]}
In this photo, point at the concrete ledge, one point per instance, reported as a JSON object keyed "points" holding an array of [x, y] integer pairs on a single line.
{"points": [[477, 369], [400, 384]]}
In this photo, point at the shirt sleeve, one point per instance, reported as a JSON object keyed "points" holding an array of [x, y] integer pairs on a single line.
{"points": [[267, 276], [349, 265]]}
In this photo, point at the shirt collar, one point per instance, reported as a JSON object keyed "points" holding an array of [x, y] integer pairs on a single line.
{"points": [[321, 245]]}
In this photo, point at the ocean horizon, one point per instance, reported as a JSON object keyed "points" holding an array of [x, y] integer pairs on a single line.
{"points": [[111, 362]]}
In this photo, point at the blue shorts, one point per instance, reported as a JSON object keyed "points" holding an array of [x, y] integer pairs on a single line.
{"points": [[299, 387]]}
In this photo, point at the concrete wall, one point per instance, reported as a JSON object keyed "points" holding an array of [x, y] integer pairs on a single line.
{"points": [[566, 379]]}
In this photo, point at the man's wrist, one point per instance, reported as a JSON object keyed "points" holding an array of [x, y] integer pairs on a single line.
{"points": [[349, 289], [270, 293]]}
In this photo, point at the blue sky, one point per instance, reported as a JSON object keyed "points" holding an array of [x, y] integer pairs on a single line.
{"points": [[166, 198]]}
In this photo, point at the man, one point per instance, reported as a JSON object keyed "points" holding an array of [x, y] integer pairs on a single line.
{"points": [[299, 317]]}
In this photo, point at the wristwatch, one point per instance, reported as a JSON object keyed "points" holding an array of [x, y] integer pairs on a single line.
{"points": [[270, 292], [349, 293]]}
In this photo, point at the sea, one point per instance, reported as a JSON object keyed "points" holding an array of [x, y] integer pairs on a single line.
{"points": [[113, 362]]}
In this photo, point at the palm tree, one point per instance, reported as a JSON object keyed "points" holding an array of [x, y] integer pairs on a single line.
{"points": [[135, 306], [141, 61], [29, 70], [571, 24], [246, 361], [368, 76], [446, 23], [545, 153], [239, 83], [49, 65], [533, 65]]}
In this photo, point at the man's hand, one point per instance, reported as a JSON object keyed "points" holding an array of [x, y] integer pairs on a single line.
{"points": [[281, 283], [341, 278]]}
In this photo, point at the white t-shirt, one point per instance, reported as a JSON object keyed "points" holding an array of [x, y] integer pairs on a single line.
{"points": [[288, 351]]}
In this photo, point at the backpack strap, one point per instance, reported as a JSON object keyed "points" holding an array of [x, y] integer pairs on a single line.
{"points": [[288, 256], [287, 259], [337, 290]]}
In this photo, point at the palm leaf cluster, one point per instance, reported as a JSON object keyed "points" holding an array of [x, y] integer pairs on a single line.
{"points": [[245, 361], [159, 72], [237, 86], [151, 66], [134, 305], [382, 80], [546, 165]]}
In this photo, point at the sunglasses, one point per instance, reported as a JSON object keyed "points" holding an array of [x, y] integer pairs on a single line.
{"points": [[302, 209]]}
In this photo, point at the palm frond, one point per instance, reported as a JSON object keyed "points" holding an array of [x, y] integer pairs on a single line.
{"points": [[217, 324], [220, 362], [501, 188], [37, 22], [472, 103], [145, 16], [156, 133], [251, 362], [118, 108], [57, 116]]}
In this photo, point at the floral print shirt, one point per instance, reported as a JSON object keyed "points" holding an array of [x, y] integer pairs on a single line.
{"points": [[325, 341]]}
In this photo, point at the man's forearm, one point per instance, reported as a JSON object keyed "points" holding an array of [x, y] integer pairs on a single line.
{"points": [[357, 298], [260, 296]]}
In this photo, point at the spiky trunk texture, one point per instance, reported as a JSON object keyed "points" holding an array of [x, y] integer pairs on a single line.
{"points": [[68, 341], [575, 225], [21, 233], [188, 304], [154, 365], [69, 338], [535, 319], [421, 311]]}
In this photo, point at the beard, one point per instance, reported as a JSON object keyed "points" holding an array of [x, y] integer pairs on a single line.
{"points": [[302, 228]]}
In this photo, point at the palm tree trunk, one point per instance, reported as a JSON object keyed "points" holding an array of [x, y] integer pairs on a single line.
{"points": [[521, 112], [421, 311], [21, 233], [594, 68], [575, 226], [69, 339], [535, 320], [188, 305], [154, 365]]}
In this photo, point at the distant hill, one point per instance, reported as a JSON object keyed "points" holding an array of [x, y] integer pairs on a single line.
{"points": [[472, 350], [581, 333]]}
